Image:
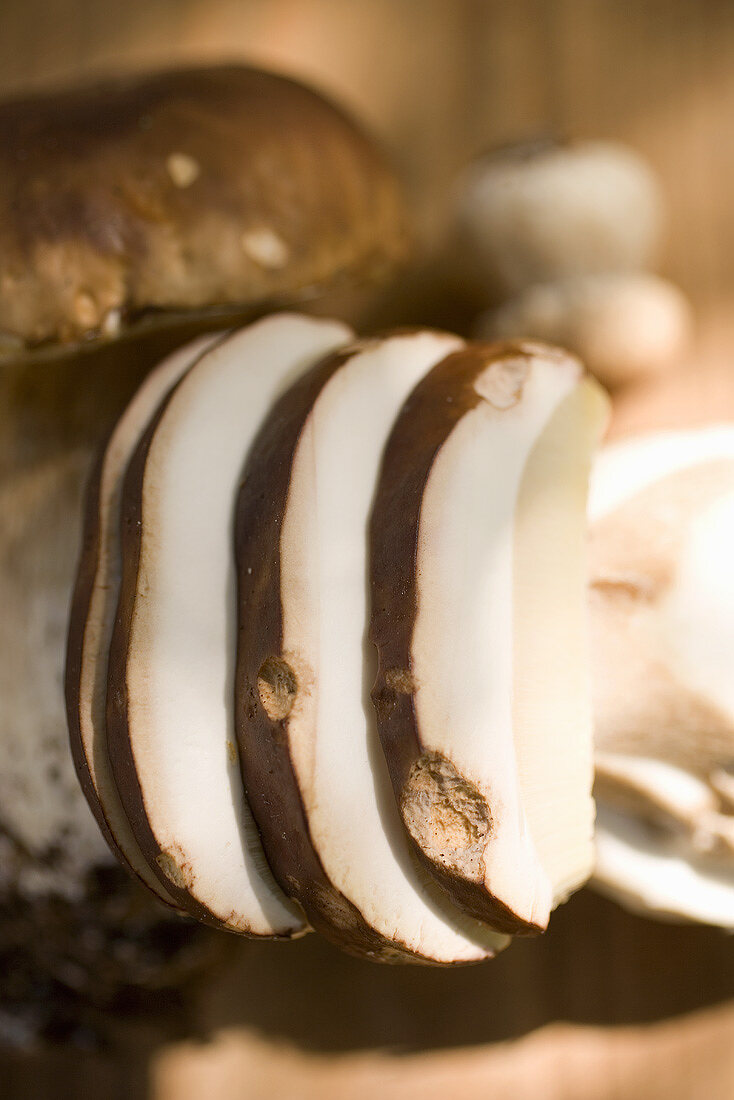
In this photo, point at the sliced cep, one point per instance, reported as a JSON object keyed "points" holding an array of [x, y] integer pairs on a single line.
{"points": [[93, 609], [653, 873], [661, 514], [313, 770], [479, 617], [170, 688], [662, 598]]}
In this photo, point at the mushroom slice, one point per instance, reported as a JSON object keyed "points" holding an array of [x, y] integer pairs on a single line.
{"points": [[170, 691], [314, 774], [661, 513], [92, 619], [655, 873], [479, 618]]}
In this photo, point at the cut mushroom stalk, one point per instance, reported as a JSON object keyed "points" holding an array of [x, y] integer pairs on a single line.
{"points": [[313, 770], [92, 619], [479, 618], [661, 510], [169, 709]]}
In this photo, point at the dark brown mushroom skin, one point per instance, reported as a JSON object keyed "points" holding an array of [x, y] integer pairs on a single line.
{"points": [[78, 614], [118, 744], [80, 600], [182, 192], [267, 767], [120, 750], [433, 409]]}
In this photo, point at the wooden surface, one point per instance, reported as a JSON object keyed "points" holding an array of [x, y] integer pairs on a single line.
{"points": [[690, 1058], [438, 79], [605, 1000]]}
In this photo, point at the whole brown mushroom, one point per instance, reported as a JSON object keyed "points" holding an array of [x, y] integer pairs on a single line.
{"points": [[152, 207]]}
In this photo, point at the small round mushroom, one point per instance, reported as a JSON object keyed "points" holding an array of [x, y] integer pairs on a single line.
{"points": [[623, 326], [541, 211], [153, 206]]}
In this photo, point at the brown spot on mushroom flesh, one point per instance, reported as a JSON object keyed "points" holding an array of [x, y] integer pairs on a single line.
{"points": [[446, 815], [179, 876], [278, 687], [502, 382], [400, 680]]}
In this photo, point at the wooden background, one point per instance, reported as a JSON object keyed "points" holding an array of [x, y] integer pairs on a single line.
{"points": [[439, 79], [648, 1006]]}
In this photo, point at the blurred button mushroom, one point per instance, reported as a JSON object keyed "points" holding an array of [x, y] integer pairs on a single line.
{"points": [[623, 326], [662, 600], [171, 202], [536, 212]]}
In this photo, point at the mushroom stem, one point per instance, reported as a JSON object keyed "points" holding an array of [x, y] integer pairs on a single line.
{"points": [[49, 429]]}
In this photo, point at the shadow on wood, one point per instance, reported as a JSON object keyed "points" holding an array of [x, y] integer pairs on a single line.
{"points": [[596, 965]]}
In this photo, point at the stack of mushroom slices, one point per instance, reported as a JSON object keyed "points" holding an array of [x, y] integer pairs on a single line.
{"points": [[327, 660]]}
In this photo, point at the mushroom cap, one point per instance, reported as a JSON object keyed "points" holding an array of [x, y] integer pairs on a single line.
{"points": [[214, 190]]}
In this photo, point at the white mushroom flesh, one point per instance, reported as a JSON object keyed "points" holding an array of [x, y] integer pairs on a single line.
{"points": [[182, 639], [500, 641], [662, 597], [353, 821]]}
